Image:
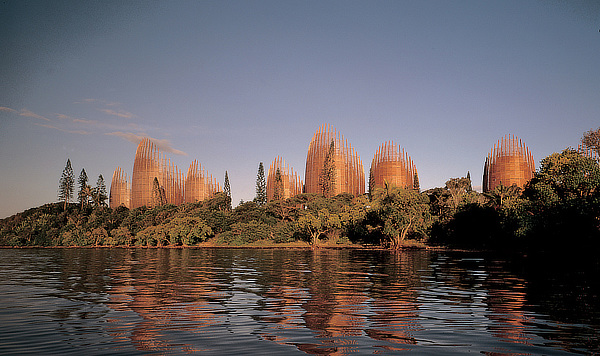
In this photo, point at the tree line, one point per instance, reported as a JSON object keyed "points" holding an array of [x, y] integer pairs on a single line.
{"points": [[558, 208], [86, 194]]}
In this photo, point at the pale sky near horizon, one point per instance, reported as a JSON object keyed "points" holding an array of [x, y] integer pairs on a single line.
{"points": [[235, 83]]}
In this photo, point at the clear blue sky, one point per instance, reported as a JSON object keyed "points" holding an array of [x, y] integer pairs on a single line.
{"points": [[235, 83]]}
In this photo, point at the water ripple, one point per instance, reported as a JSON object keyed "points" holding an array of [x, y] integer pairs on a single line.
{"points": [[331, 302]]}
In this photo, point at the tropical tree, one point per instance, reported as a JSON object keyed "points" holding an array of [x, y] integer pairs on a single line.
{"points": [[591, 140], [316, 224], [502, 194], [66, 185], [563, 198], [245, 232], [563, 176], [399, 213], [187, 230], [353, 215], [82, 195], [438, 201], [458, 188], [261, 186]]}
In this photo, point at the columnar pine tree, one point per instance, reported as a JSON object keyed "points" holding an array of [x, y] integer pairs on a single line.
{"points": [[470, 187], [227, 188], [66, 185], [158, 194], [82, 195], [327, 176], [261, 186], [371, 183], [278, 191], [416, 184], [100, 192]]}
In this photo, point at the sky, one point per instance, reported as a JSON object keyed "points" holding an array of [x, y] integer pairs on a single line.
{"points": [[235, 83]]}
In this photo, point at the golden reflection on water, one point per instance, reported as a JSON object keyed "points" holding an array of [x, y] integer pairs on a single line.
{"points": [[334, 302]]}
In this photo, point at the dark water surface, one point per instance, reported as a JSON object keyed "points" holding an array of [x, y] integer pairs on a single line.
{"points": [[325, 302]]}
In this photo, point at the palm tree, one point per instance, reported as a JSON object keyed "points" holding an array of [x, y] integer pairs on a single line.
{"points": [[498, 197]]}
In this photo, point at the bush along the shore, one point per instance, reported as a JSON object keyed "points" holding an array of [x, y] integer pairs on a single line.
{"points": [[558, 208]]}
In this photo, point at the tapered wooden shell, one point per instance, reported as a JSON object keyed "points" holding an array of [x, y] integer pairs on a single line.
{"points": [[146, 167], [120, 192], [393, 165], [199, 185], [509, 162], [349, 172], [291, 184]]}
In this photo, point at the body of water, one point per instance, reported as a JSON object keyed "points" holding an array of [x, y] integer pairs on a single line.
{"points": [[325, 302]]}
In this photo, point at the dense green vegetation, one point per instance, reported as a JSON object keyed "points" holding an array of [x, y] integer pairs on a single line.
{"points": [[557, 209]]}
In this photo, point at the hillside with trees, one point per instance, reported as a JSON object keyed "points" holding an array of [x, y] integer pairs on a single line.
{"points": [[558, 208]]}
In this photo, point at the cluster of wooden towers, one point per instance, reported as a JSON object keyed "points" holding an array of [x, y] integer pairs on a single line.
{"points": [[332, 167], [509, 162], [170, 187]]}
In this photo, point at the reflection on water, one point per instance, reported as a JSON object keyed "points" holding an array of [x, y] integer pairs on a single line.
{"points": [[329, 302]]}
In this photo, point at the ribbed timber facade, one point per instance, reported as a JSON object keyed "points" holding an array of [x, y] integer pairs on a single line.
{"points": [[172, 182], [588, 152], [349, 175], [509, 162], [394, 166], [146, 167], [198, 184], [176, 188], [120, 192], [289, 185]]}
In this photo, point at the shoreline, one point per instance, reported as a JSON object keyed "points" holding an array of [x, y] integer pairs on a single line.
{"points": [[246, 247]]}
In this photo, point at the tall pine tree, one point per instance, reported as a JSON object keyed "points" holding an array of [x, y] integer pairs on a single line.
{"points": [[371, 183], [416, 184], [227, 188], [261, 186], [82, 195], [66, 185], [158, 194], [278, 191], [470, 188], [100, 192], [327, 176]]}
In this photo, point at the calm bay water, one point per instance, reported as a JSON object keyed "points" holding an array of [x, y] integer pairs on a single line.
{"points": [[326, 302]]}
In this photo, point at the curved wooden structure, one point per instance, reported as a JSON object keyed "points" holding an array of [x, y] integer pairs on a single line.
{"points": [[348, 172], [198, 184], [171, 181], [394, 166], [290, 184], [588, 152], [509, 162], [120, 192], [146, 167]]}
